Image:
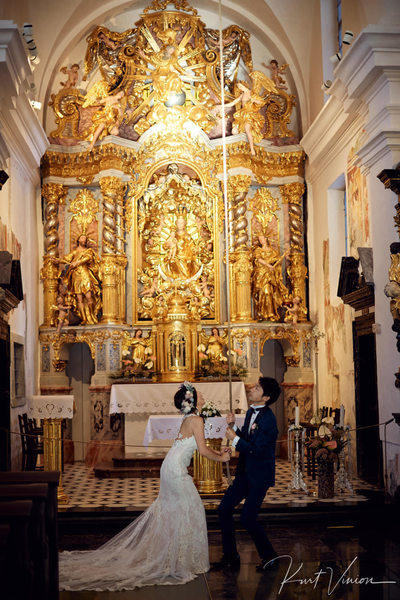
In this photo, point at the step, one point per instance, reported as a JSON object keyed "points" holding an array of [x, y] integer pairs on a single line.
{"points": [[139, 459], [139, 464]]}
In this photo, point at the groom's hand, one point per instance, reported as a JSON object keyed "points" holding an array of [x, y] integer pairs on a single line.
{"points": [[230, 418], [230, 434]]}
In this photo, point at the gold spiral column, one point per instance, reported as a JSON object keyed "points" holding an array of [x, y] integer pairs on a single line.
{"points": [[240, 258], [292, 194], [54, 195], [113, 253]]}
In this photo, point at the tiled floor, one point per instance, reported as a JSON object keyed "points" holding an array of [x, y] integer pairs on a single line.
{"points": [[86, 492]]}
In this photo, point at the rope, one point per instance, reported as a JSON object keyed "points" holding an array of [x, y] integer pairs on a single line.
{"points": [[225, 191], [112, 442]]}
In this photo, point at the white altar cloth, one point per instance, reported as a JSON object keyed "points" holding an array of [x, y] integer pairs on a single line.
{"points": [[158, 398], [51, 407], [166, 427]]}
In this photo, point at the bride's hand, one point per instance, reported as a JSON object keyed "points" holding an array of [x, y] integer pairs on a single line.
{"points": [[225, 456]]}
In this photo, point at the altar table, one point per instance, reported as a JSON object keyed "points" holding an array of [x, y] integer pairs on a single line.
{"points": [[166, 427], [140, 400], [158, 398]]}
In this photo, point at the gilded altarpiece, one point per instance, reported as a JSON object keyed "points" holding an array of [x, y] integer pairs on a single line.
{"points": [[136, 263]]}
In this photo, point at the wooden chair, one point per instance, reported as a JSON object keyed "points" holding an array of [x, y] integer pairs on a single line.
{"points": [[31, 441], [24, 443]]}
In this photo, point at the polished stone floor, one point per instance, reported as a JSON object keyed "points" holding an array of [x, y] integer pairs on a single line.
{"points": [[352, 561]]}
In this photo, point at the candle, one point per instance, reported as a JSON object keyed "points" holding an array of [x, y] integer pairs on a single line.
{"points": [[296, 416], [341, 422], [315, 433]]}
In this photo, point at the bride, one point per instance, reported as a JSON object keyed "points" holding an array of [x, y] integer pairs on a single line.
{"points": [[167, 544]]}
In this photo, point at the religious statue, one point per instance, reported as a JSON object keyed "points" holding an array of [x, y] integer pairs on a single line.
{"points": [[269, 291], [83, 280], [108, 118], [292, 310], [167, 73], [180, 262], [62, 306], [72, 76], [248, 118], [140, 349], [215, 347], [276, 72]]}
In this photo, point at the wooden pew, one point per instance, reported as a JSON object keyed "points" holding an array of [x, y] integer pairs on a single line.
{"points": [[17, 579], [51, 478], [39, 539]]}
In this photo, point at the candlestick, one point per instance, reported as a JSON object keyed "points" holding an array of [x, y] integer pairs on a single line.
{"points": [[296, 443], [341, 421]]}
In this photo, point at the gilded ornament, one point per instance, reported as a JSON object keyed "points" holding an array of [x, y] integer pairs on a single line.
{"points": [[84, 207]]}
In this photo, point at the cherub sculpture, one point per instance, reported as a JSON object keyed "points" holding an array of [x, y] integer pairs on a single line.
{"points": [[73, 75], [292, 310], [276, 73]]}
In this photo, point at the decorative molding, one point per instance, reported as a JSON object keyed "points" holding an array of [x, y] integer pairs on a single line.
{"points": [[365, 78]]}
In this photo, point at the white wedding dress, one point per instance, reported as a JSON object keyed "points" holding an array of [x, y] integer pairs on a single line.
{"points": [[166, 544]]}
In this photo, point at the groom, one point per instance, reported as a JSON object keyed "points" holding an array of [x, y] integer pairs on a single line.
{"points": [[254, 475]]}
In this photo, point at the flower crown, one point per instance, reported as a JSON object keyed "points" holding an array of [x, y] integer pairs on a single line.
{"points": [[188, 402]]}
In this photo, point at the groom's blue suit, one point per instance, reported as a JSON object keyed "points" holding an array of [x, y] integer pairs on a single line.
{"points": [[254, 475]]}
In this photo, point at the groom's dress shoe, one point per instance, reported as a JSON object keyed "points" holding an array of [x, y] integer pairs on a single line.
{"points": [[268, 564], [226, 562]]}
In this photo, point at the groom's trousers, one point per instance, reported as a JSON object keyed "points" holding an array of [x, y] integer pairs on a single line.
{"points": [[242, 488]]}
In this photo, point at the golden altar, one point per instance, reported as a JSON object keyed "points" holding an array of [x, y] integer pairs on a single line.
{"points": [[143, 242]]}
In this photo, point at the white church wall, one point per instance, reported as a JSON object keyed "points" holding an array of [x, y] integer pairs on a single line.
{"points": [[359, 129], [25, 142]]}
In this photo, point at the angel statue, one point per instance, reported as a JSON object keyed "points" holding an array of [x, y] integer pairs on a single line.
{"points": [[108, 118], [248, 118]]}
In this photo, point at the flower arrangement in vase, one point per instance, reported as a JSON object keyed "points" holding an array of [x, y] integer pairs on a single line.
{"points": [[209, 410], [132, 368], [209, 368], [327, 443]]}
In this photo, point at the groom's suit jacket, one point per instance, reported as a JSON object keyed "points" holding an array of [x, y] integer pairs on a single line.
{"points": [[257, 448]]}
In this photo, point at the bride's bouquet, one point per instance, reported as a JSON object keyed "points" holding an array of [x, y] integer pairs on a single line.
{"points": [[209, 410]]}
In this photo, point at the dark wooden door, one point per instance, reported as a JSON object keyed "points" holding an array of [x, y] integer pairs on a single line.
{"points": [[369, 449], [5, 448]]}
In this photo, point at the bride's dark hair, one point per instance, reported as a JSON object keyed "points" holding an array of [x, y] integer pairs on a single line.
{"points": [[185, 398]]}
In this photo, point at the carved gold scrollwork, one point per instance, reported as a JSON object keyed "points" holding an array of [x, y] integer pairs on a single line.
{"points": [[278, 114], [291, 335], [66, 104], [84, 208]]}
